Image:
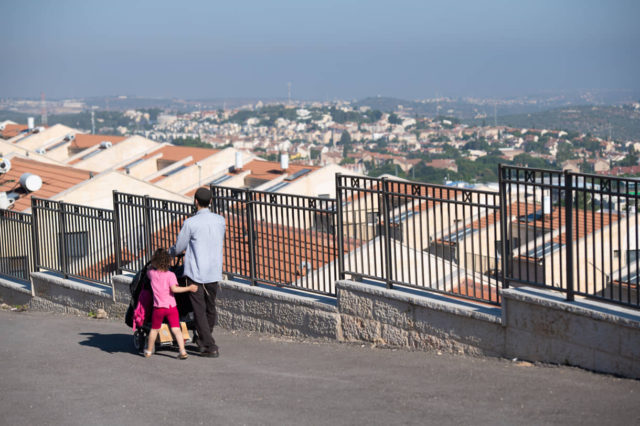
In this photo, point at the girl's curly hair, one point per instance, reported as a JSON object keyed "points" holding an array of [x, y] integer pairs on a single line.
{"points": [[161, 260]]}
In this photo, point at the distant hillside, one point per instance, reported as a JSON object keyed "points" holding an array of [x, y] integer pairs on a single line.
{"points": [[623, 121], [15, 116], [485, 110]]}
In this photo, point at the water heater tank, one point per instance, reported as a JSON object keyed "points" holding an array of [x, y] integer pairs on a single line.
{"points": [[284, 161], [30, 182]]}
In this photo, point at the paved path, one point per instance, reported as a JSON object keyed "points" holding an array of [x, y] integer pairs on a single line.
{"points": [[67, 370]]}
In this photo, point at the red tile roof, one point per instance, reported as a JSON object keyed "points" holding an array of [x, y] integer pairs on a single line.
{"points": [[55, 179], [12, 130], [176, 153], [84, 141], [269, 170]]}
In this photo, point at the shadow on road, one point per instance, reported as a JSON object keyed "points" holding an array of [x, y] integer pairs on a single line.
{"points": [[111, 343]]}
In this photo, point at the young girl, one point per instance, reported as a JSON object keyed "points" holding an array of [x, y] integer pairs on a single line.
{"points": [[164, 284]]}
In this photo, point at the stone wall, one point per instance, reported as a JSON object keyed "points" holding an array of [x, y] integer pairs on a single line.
{"points": [[56, 294], [269, 310], [542, 326], [395, 318]]}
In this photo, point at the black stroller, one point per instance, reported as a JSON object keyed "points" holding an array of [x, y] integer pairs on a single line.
{"points": [[187, 323]]}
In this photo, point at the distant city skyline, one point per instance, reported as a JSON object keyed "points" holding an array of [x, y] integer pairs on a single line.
{"points": [[326, 50]]}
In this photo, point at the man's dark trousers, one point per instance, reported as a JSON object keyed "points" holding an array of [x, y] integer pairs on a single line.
{"points": [[204, 310]]}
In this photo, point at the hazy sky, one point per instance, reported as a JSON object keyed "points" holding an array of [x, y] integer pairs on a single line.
{"points": [[327, 49]]}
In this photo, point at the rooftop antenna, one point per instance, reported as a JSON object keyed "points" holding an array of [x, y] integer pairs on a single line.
{"points": [[93, 122], [289, 92], [43, 118]]}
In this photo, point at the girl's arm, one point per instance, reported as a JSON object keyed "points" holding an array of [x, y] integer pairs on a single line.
{"points": [[190, 288]]}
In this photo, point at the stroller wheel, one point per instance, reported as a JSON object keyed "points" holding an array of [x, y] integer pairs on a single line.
{"points": [[139, 339]]}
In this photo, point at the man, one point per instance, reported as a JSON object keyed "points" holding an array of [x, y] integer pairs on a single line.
{"points": [[201, 238]]}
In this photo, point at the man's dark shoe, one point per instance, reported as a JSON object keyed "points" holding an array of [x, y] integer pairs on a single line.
{"points": [[211, 354]]}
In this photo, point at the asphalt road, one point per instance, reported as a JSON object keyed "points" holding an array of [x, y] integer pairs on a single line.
{"points": [[66, 370]]}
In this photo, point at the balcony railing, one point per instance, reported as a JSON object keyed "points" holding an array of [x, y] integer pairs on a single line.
{"points": [[573, 233]]}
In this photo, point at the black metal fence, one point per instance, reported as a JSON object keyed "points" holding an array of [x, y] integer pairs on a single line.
{"points": [[16, 245], [74, 240], [440, 238], [280, 239], [575, 233], [144, 224], [571, 232]]}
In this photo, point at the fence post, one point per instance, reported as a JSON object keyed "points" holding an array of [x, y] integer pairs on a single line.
{"points": [[146, 218], [34, 236], [503, 224], [338, 228], [63, 239], [250, 230], [387, 236], [116, 232], [568, 209]]}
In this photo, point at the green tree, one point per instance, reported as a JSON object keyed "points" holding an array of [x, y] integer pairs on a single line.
{"points": [[196, 142], [631, 159], [345, 141], [394, 119]]}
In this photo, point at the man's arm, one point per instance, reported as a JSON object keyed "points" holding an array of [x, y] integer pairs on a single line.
{"points": [[182, 241]]}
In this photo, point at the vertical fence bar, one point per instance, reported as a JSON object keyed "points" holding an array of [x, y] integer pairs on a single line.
{"points": [[116, 233], [387, 237], [252, 245], [146, 220], [62, 249], [568, 194], [339, 226], [34, 235], [503, 225]]}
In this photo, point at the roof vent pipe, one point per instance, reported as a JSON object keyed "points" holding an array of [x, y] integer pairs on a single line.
{"points": [[30, 182], [284, 161], [30, 123], [238, 165], [546, 204]]}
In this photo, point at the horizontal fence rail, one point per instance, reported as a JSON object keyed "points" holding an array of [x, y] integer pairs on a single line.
{"points": [[16, 245], [74, 240], [434, 237], [279, 239], [572, 232]]}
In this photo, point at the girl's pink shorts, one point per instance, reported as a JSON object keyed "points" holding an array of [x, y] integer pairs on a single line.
{"points": [[160, 313]]}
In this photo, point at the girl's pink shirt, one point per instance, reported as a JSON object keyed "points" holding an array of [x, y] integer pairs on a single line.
{"points": [[161, 282]]}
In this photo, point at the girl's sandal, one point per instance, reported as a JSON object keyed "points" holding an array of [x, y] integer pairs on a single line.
{"points": [[183, 356], [147, 353]]}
